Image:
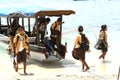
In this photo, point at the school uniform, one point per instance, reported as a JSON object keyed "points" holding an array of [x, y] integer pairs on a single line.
{"points": [[103, 37], [55, 32], [80, 54], [21, 45]]}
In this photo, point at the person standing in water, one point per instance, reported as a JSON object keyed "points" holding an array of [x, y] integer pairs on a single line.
{"points": [[21, 46], [81, 53], [103, 38]]}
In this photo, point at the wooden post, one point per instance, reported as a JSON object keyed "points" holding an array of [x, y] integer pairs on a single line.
{"points": [[38, 35], [29, 25], [0, 22], [23, 22], [60, 30], [8, 23]]}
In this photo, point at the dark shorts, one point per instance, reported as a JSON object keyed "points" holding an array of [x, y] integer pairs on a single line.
{"points": [[104, 49], [21, 56]]}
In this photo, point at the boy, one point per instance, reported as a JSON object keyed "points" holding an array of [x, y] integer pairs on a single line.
{"points": [[21, 45]]}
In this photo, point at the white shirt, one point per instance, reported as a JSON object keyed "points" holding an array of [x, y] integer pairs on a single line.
{"points": [[21, 43]]}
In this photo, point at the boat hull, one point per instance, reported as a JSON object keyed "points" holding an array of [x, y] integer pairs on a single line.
{"points": [[37, 52]]}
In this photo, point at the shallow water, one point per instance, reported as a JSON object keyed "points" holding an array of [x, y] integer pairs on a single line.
{"points": [[3, 52]]}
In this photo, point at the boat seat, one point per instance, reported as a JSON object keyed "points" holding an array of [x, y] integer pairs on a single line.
{"points": [[32, 40]]}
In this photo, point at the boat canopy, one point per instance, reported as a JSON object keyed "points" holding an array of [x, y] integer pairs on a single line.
{"points": [[54, 12], [36, 15], [39, 13], [16, 14]]}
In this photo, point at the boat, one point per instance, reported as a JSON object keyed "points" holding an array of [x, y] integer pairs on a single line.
{"points": [[38, 51]]}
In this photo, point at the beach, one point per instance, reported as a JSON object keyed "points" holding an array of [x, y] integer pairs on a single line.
{"points": [[91, 14], [66, 69]]}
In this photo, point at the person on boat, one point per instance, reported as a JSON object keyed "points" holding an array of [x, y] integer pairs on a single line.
{"points": [[41, 28], [81, 53], [103, 37], [11, 37], [55, 31], [50, 49], [14, 25], [11, 48], [21, 48]]}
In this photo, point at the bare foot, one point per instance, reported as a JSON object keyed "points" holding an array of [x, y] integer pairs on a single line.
{"points": [[87, 69], [100, 57], [25, 73], [16, 69]]}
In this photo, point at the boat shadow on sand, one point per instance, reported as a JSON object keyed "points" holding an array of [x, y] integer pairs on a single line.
{"points": [[51, 63]]}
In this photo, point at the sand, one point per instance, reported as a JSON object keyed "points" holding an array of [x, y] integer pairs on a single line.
{"points": [[66, 69]]}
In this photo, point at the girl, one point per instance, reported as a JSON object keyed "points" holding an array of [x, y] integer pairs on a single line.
{"points": [[103, 38], [81, 53]]}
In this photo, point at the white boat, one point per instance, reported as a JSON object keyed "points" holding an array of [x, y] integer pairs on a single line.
{"points": [[39, 52], [36, 52]]}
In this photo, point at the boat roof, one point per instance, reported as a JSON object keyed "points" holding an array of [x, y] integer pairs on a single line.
{"points": [[16, 15], [54, 12], [41, 13]]}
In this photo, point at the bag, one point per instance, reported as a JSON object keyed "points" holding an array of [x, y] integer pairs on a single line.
{"points": [[75, 53], [99, 45], [78, 53], [61, 49], [84, 45]]}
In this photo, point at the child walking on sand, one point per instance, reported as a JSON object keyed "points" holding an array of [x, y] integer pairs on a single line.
{"points": [[21, 45]]}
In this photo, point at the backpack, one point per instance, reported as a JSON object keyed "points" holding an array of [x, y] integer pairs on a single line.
{"points": [[84, 45]]}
